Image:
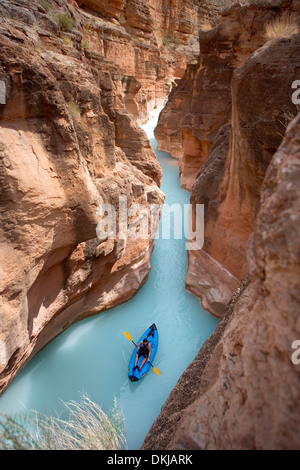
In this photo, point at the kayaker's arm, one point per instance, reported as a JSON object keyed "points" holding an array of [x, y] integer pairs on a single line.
{"points": [[149, 354]]}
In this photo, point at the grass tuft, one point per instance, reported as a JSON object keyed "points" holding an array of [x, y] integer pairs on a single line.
{"points": [[64, 21], [74, 110], [87, 428], [166, 41], [121, 18], [281, 28], [85, 43], [46, 5], [67, 41]]}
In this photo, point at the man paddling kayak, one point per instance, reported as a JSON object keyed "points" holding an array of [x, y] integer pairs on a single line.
{"points": [[144, 350]]}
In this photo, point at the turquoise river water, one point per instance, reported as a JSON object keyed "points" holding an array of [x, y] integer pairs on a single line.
{"points": [[92, 356]]}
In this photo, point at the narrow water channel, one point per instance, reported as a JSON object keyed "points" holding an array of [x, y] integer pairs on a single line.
{"points": [[92, 356]]}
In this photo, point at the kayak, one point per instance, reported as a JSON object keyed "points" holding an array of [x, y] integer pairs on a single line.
{"points": [[152, 336]]}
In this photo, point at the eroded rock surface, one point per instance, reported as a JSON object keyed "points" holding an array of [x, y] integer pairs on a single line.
{"points": [[201, 103], [242, 390], [76, 73], [152, 40], [224, 121], [230, 180], [67, 145]]}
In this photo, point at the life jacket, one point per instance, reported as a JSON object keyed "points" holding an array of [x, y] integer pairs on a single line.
{"points": [[144, 350]]}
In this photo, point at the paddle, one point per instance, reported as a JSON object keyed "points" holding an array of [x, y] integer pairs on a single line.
{"points": [[130, 339]]}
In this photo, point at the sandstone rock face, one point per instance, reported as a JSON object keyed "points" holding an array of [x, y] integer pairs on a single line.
{"points": [[242, 391], [230, 180], [75, 74], [109, 9], [67, 145], [201, 103], [224, 121], [152, 40]]}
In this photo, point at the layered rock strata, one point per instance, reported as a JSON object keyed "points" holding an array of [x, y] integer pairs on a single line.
{"points": [[152, 40], [75, 74], [67, 145], [242, 390], [201, 103], [224, 121]]}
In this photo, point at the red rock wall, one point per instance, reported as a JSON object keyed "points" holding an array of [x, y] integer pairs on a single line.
{"points": [[67, 144], [224, 168], [76, 73], [152, 40], [202, 102], [242, 390]]}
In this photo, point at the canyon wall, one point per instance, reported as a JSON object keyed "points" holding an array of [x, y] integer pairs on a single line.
{"points": [[242, 390], [152, 41], [78, 77], [67, 145], [232, 109]]}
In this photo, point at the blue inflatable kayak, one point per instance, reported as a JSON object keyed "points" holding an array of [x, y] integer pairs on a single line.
{"points": [[152, 336]]}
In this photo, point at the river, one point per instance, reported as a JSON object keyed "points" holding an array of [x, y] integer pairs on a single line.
{"points": [[91, 357]]}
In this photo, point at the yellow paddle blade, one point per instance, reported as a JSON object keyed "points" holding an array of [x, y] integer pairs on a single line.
{"points": [[130, 339], [127, 336]]}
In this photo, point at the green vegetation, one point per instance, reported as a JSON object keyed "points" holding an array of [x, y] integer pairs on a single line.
{"points": [[121, 18], [46, 5], [64, 21], [85, 43], [89, 28], [74, 110], [166, 41], [172, 41], [87, 428], [67, 41]]}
